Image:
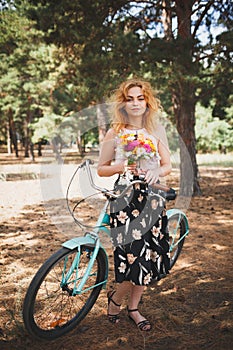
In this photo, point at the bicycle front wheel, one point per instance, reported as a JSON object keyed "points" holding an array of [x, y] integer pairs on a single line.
{"points": [[50, 308], [177, 233]]}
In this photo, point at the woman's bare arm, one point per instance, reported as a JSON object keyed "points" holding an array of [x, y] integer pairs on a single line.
{"points": [[153, 175], [164, 152], [105, 166]]}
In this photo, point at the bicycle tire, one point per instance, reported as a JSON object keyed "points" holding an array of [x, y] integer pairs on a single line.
{"points": [[50, 312], [176, 229]]}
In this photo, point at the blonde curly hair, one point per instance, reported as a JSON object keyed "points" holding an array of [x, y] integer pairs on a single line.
{"points": [[119, 98]]}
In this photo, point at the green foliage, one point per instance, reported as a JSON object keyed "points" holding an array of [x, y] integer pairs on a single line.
{"points": [[212, 133], [46, 128], [58, 57]]}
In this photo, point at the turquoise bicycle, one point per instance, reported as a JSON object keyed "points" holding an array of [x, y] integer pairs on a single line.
{"points": [[67, 285]]}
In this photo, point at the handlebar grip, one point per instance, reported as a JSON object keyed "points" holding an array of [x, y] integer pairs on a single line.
{"points": [[90, 161], [87, 162], [170, 195]]}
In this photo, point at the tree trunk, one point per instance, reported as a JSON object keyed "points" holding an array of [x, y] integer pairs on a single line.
{"points": [[9, 150], [185, 121], [184, 101], [81, 144], [101, 119], [26, 143], [13, 135], [167, 19], [39, 149], [27, 133]]}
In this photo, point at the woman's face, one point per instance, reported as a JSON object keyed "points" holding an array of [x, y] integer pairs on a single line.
{"points": [[135, 105]]}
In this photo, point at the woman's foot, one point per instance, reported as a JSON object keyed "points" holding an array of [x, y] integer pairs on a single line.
{"points": [[142, 323], [113, 308]]}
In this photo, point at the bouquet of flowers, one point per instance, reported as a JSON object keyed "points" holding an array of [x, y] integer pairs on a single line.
{"points": [[136, 146]]}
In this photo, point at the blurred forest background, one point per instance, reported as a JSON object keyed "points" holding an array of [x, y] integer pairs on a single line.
{"points": [[60, 59]]}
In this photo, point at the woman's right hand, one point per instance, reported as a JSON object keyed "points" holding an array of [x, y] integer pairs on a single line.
{"points": [[134, 169]]}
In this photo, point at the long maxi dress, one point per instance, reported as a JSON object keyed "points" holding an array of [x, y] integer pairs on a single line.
{"points": [[139, 226]]}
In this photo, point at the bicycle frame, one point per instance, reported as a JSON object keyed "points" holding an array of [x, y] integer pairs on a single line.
{"points": [[92, 239], [67, 285], [182, 216]]}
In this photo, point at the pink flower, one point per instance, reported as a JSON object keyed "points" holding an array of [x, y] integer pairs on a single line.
{"points": [[147, 148], [131, 145]]}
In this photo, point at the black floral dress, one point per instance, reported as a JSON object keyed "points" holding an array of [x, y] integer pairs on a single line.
{"points": [[139, 235]]}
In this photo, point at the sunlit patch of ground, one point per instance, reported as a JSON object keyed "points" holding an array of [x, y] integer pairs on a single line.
{"points": [[190, 309]]}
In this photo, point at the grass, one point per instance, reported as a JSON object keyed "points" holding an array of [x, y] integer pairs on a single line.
{"points": [[215, 159], [208, 159]]}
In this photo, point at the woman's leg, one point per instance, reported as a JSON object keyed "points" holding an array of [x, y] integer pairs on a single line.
{"points": [[117, 297], [135, 294], [134, 314]]}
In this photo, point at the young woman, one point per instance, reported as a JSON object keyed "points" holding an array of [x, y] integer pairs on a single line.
{"points": [[138, 223]]}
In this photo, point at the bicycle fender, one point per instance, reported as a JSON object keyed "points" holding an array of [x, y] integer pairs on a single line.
{"points": [[171, 212], [79, 241]]}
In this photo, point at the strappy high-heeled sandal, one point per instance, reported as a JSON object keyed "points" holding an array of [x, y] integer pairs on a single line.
{"points": [[142, 325], [113, 318]]}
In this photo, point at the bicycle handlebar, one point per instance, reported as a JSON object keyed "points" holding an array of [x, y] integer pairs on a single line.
{"points": [[170, 193]]}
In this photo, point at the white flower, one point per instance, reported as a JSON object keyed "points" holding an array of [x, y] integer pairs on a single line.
{"points": [[154, 256], [122, 216], [119, 238], [136, 234], [122, 267], [154, 204], [143, 223], [148, 254], [135, 212], [141, 152], [160, 202], [147, 279], [140, 197], [155, 231], [131, 258]]}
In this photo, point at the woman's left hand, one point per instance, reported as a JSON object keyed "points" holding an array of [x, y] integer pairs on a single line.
{"points": [[152, 176]]}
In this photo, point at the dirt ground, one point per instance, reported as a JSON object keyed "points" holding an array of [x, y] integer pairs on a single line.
{"points": [[191, 309]]}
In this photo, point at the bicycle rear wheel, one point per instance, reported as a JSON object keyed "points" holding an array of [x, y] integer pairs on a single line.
{"points": [[50, 310], [177, 231]]}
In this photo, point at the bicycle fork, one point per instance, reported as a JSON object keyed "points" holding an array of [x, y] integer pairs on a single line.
{"points": [[90, 239]]}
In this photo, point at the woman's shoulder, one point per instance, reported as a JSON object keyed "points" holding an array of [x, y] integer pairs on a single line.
{"points": [[160, 127], [159, 131], [111, 133]]}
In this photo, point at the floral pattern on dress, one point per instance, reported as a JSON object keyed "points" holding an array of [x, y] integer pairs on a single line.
{"points": [[122, 217], [140, 238]]}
